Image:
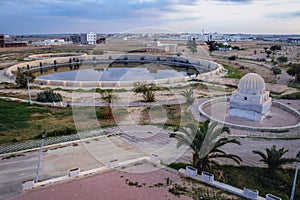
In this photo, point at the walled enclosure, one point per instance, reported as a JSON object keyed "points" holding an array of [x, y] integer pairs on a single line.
{"points": [[212, 68]]}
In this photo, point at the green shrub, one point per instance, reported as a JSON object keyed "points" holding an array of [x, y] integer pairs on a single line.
{"points": [[59, 132], [282, 59], [178, 165], [232, 58], [276, 70], [295, 96], [49, 96]]}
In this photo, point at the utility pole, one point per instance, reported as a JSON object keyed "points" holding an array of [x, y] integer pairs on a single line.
{"points": [[295, 178], [40, 157]]}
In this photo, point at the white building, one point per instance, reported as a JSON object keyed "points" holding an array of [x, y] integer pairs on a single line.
{"points": [[250, 100], [88, 38], [56, 42], [161, 48]]}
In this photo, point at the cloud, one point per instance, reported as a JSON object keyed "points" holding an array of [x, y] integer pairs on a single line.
{"points": [[284, 15], [115, 15]]}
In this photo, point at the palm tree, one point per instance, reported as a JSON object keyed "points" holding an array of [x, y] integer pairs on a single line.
{"points": [[274, 158], [188, 94], [204, 142], [146, 90]]}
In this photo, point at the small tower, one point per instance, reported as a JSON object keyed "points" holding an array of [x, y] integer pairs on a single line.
{"points": [[250, 100]]}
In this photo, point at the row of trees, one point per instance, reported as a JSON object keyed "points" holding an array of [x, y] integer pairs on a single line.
{"points": [[206, 144]]}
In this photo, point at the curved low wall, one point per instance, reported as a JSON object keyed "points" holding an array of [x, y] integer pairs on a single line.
{"points": [[54, 55], [212, 68], [252, 128]]}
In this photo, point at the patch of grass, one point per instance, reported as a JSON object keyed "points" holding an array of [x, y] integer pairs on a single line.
{"points": [[293, 96], [279, 183], [233, 72], [16, 115], [21, 121]]}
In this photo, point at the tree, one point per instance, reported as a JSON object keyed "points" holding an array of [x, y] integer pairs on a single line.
{"points": [[275, 48], [276, 70], [21, 78], [204, 142], [268, 52], [107, 96], [294, 70], [212, 46], [147, 90], [188, 94], [274, 157], [192, 45], [282, 59]]}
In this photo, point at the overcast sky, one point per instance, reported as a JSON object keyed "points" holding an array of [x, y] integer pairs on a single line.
{"points": [[109, 16]]}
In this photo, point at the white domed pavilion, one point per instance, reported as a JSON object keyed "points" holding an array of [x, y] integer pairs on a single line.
{"points": [[250, 100]]}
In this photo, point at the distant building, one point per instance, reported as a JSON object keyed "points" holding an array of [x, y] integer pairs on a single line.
{"points": [[161, 48], [101, 40], [2, 40], [75, 38], [88, 38], [55, 42], [7, 43]]}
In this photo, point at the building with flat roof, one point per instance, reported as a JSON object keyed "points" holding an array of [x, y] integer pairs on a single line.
{"points": [[161, 48], [7, 44], [88, 38]]}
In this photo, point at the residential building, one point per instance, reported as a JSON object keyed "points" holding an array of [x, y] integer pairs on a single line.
{"points": [[88, 38]]}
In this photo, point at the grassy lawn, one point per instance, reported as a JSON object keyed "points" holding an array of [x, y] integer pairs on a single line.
{"points": [[166, 116], [233, 72], [278, 183], [21, 121], [293, 96]]}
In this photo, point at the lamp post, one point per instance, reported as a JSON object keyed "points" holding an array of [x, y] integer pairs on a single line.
{"points": [[28, 87], [193, 80], [295, 178], [40, 157]]}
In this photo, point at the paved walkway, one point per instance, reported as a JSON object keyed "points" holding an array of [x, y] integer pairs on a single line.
{"points": [[284, 78], [98, 104]]}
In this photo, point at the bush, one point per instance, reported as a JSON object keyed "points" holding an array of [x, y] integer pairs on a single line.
{"points": [[276, 70], [59, 132], [21, 79], [232, 58], [294, 70], [294, 96], [275, 47], [178, 165], [49, 96], [236, 48], [282, 59]]}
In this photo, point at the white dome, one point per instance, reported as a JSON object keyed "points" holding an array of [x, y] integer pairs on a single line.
{"points": [[252, 84]]}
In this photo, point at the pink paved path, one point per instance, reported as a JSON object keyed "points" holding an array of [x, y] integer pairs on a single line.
{"points": [[108, 186]]}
